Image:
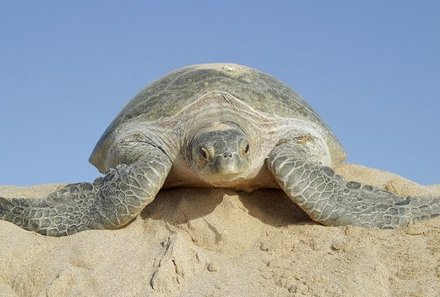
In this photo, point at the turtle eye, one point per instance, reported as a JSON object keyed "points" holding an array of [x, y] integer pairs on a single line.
{"points": [[246, 148], [204, 152]]}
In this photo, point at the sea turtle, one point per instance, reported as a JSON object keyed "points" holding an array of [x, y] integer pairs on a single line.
{"points": [[215, 125]]}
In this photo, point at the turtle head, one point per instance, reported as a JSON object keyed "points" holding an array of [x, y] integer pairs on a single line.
{"points": [[220, 153]]}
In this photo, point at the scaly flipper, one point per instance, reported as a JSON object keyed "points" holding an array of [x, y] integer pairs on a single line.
{"points": [[330, 200], [107, 203]]}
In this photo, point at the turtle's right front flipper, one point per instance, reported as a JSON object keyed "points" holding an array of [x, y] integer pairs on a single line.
{"points": [[107, 203]]}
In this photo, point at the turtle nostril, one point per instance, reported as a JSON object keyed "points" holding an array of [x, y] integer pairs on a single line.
{"points": [[227, 155]]}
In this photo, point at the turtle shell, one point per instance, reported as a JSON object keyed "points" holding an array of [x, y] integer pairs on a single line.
{"points": [[168, 95]]}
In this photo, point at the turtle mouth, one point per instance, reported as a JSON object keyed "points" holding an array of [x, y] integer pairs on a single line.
{"points": [[230, 176], [225, 173], [224, 180], [223, 177]]}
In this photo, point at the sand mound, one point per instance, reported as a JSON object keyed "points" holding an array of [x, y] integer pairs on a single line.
{"points": [[213, 242]]}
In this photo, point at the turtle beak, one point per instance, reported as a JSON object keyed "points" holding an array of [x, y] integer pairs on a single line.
{"points": [[227, 164]]}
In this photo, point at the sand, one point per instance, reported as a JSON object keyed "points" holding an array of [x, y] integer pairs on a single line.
{"points": [[214, 242]]}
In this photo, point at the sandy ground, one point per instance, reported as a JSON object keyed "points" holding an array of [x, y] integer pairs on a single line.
{"points": [[213, 242]]}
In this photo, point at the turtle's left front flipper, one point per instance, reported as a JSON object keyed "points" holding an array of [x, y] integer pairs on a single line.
{"points": [[107, 203], [330, 200]]}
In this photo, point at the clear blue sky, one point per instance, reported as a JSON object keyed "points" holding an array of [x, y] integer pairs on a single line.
{"points": [[371, 69]]}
